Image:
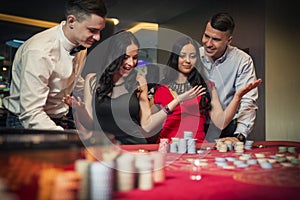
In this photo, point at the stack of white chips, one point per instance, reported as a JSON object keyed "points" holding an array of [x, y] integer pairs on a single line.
{"points": [[248, 144], [188, 134], [101, 181], [125, 172], [143, 164], [191, 144], [158, 166], [174, 145], [82, 167], [182, 145]]}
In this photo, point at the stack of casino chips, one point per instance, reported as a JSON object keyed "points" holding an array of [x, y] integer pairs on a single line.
{"points": [[143, 164], [125, 176], [96, 179], [248, 144], [221, 146], [164, 146], [101, 181], [174, 145], [181, 145], [239, 147], [191, 146], [159, 161]]}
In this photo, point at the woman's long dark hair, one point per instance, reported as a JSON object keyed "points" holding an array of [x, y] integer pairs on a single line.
{"points": [[195, 77], [116, 53]]}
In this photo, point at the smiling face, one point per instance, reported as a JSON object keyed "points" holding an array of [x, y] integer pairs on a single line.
{"points": [[86, 30], [130, 60], [215, 41], [187, 59]]}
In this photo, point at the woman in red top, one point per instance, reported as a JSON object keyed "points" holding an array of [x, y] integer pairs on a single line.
{"points": [[183, 74]]}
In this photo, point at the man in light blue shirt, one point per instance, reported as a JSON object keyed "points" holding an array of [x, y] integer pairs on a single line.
{"points": [[230, 69]]}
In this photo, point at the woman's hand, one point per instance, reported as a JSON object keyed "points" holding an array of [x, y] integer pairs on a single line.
{"points": [[73, 102], [196, 91], [241, 92]]}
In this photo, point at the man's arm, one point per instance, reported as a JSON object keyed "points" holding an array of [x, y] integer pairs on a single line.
{"points": [[34, 92], [247, 111]]}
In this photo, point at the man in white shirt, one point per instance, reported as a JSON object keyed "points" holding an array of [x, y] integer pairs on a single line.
{"points": [[230, 69], [46, 67]]}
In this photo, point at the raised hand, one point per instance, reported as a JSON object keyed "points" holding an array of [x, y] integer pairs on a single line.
{"points": [[241, 92], [73, 102], [196, 91]]}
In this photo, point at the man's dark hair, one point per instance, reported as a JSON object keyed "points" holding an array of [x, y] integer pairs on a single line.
{"points": [[80, 8], [223, 22]]}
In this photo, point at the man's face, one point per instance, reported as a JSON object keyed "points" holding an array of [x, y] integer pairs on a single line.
{"points": [[215, 41], [87, 30]]}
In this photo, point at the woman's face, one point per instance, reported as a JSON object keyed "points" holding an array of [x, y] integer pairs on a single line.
{"points": [[187, 59], [130, 60]]}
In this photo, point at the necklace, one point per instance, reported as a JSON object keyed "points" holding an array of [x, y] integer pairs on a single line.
{"points": [[179, 88]]}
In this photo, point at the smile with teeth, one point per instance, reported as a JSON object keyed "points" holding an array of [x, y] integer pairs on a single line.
{"points": [[127, 67]]}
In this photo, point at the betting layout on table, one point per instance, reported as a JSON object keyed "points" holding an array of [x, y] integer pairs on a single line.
{"points": [[259, 165]]}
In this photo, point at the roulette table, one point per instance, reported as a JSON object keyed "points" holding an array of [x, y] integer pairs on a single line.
{"points": [[28, 155], [234, 182]]}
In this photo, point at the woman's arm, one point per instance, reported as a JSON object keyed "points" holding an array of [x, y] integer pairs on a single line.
{"points": [[151, 121], [82, 110], [221, 118]]}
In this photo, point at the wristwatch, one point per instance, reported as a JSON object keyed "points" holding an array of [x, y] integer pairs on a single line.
{"points": [[240, 137]]}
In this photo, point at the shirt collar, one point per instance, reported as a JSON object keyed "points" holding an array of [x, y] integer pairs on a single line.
{"points": [[224, 56], [67, 44], [208, 59]]}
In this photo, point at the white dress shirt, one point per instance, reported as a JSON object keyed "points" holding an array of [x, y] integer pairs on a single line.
{"points": [[43, 72]]}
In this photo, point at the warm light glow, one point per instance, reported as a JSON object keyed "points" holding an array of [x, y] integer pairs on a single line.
{"points": [[115, 21], [27, 21], [36, 22], [4, 69], [144, 25]]}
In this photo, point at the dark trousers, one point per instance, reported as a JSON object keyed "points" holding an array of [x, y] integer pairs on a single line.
{"points": [[12, 121]]}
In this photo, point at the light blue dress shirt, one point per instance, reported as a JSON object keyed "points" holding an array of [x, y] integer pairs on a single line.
{"points": [[230, 72]]}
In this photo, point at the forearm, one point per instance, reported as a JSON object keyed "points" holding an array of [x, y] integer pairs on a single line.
{"points": [[157, 119], [38, 119], [246, 118], [221, 118], [82, 117]]}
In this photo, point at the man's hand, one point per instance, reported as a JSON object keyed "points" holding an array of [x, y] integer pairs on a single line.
{"points": [[241, 92]]}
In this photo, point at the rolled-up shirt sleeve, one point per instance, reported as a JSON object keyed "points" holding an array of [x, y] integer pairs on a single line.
{"points": [[248, 107]]}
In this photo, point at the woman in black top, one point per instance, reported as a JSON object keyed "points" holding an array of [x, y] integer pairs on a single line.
{"points": [[118, 97]]}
